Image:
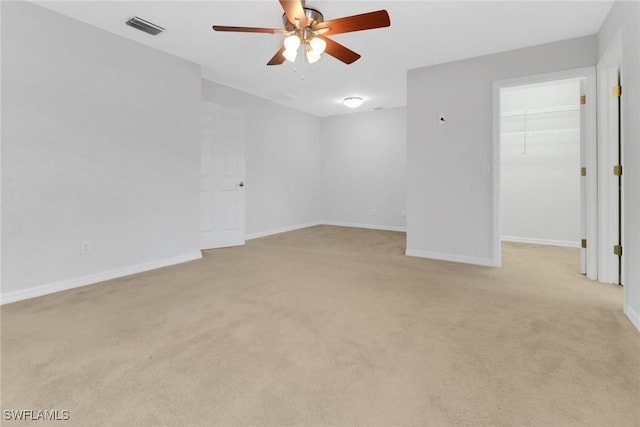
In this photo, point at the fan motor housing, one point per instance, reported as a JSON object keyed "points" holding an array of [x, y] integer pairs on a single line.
{"points": [[313, 17]]}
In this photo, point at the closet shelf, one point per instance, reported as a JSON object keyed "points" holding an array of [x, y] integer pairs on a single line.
{"points": [[540, 132], [558, 109]]}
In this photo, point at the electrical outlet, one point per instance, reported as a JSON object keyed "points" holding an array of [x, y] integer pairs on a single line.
{"points": [[86, 248], [403, 213], [374, 212]]}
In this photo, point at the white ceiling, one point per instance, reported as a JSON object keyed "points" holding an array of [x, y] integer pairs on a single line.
{"points": [[422, 33]]}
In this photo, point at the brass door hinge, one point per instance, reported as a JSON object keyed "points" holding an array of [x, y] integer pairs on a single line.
{"points": [[583, 244], [617, 90], [617, 170], [583, 99], [583, 171], [617, 250]]}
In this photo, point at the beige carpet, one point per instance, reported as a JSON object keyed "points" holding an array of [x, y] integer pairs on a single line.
{"points": [[330, 326]]}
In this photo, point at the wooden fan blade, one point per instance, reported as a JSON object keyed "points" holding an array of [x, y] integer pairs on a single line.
{"points": [[340, 52], [294, 9], [249, 29], [278, 58], [365, 21]]}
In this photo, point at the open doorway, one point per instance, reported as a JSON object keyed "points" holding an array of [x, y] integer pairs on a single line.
{"points": [[540, 163], [545, 172]]}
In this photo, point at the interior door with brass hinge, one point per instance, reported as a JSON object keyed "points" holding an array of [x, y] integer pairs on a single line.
{"points": [[583, 180], [588, 179], [617, 173], [610, 172]]}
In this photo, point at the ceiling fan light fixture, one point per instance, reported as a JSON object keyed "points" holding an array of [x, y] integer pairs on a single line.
{"points": [[318, 45], [352, 102], [312, 56], [292, 43], [290, 55], [306, 26]]}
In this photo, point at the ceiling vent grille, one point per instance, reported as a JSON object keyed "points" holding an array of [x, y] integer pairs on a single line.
{"points": [[145, 26]]}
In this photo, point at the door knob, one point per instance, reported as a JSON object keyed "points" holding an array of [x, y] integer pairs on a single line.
{"points": [[241, 184]]}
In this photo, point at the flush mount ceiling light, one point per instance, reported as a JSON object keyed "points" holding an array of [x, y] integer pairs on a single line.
{"points": [[352, 102]]}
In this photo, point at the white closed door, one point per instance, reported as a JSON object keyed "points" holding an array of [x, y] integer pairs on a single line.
{"points": [[609, 178], [222, 206], [589, 176], [583, 180]]}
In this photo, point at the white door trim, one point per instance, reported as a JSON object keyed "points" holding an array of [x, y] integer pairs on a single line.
{"points": [[589, 73]]}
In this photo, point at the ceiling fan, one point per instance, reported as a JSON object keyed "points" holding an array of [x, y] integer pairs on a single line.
{"points": [[306, 27]]}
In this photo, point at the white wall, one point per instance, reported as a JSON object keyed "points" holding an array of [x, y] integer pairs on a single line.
{"points": [[283, 161], [540, 163], [364, 169], [624, 18], [100, 143], [449, 199]]}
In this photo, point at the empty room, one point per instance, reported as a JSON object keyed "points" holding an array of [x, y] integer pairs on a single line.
{"points": [[320, 213]]}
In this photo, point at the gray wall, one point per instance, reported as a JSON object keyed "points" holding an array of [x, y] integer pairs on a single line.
{"points": [[449, 200], [624, 18], [283, 160], [364, 168], [100, 143]]}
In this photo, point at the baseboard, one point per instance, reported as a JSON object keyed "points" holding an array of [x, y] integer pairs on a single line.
{"points": [[369, 226], [281, 230], [547, 242], [633, 316], [64, 285], [449, 257]]}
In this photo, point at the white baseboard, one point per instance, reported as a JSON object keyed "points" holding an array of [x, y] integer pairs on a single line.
{"points": [[281, 230], [633, 316], [369, 226], [448, 257], [63, 285], [533, 241]]}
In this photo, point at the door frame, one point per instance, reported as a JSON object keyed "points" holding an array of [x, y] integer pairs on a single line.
{"points": [[590, 158]]}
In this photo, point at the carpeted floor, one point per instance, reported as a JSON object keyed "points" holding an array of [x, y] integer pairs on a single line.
{"points": [[330, 326]]}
